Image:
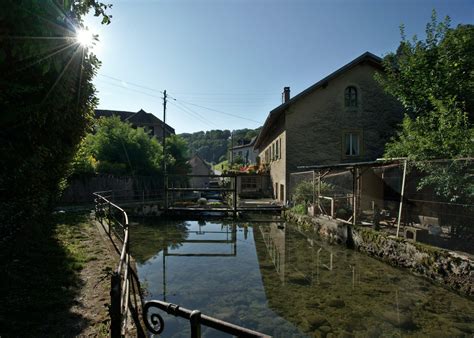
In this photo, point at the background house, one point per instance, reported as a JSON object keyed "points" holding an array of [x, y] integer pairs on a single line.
{"points": [[246, 152], [199, 167], [142, 119], [345, 117]]}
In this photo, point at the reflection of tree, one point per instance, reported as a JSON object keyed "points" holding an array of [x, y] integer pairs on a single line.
{"points": [[150, 237]]}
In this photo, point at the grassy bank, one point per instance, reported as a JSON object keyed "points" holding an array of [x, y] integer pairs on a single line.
{"points": [[47, 270]]}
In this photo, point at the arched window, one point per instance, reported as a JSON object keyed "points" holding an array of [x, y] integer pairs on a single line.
{"points": [[350, 96]]}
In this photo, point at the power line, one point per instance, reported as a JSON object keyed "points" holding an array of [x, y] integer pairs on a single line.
{"points": [[134, 90], [217, 111], [181, 101], [192, 114], [193, 111], [131, 83]]}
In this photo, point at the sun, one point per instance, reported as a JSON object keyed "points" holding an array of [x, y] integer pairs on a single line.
{"points": [[85, 38]]}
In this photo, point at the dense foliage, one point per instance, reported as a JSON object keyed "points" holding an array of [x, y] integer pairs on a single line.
{"points": [[434, 80], [213, 146], [116, 148], [46, 101]]}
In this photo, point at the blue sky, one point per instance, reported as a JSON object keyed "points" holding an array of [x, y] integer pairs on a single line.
{"points": [[235, 56]]}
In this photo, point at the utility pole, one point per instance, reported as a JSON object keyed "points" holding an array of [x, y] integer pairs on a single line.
{"points": [[231, 148], [165, 179], [164, 131]]}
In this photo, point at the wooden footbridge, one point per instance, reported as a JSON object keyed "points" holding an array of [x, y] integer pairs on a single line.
{"points": [[203, 195], [222, 194]]}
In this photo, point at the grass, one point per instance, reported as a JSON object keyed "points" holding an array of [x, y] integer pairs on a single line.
{"points": [[39, 269], [224, 165]]}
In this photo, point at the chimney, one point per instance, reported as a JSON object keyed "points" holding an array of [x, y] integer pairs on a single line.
{"points": [[285, 96]]}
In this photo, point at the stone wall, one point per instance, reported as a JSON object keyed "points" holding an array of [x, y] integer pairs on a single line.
{"points": [[449, 269]]}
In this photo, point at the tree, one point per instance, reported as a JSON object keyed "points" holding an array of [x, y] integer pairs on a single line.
{"points": [[434, 80], [46, 99], [177, 157], [118, 148], [438, 68]]}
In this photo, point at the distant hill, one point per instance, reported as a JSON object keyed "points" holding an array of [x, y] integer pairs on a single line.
{"points": [[213, 145]]}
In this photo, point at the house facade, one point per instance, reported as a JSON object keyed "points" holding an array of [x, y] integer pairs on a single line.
{"points": [[140, 119], [199, 167], [344, 118], [246, 152]]}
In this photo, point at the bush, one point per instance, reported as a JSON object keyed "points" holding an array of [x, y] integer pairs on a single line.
{"points": [[300, 209], [304, 191]]}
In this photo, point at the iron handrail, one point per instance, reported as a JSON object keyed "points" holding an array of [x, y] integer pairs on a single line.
{"points": [[121, 278], [154, 322]]}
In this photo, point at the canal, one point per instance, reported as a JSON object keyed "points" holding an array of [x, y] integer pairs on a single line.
{"points": [[282, 280]]}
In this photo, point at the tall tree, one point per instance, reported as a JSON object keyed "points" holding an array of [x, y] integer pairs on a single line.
{"points": [[437, 68], [46, 99], [434, 80]]}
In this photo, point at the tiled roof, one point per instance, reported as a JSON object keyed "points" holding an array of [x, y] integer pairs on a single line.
{"points": [[139, 118]]}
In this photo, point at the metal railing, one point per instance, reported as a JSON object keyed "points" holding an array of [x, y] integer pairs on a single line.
{"points": [[154, 322], [125, 285], [124, 305]]}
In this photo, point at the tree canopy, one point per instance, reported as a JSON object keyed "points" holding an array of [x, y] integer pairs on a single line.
{"points": [[116, 148], [46, 99], [434, 80]]}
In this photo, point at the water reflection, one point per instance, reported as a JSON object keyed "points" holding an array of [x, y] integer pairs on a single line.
{"points": [[325, 289], [282, 280]]}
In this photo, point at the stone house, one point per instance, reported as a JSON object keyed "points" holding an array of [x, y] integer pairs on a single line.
{"points": [[246, 152], [346, 117], [141, 119]]}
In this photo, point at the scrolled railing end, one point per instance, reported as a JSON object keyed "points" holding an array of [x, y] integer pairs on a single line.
{"points": [[153, 322]]}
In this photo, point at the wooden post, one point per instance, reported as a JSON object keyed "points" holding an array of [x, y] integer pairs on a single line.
{"points": [[355, 179], [235, 196], [402, 192]]}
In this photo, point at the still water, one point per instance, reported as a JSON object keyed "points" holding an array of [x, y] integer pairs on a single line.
{"points": [[282, 280]]}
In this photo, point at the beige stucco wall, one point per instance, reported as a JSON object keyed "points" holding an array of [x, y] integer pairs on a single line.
{"points": [[277, 167]]}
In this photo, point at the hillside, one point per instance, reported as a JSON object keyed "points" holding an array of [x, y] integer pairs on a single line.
{"points": [[213, 145]]}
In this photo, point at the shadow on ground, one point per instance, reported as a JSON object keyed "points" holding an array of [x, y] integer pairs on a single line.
{"points": [[39, 279]]}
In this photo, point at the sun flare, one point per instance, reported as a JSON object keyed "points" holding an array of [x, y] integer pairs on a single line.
{"points": [[85, 38]]}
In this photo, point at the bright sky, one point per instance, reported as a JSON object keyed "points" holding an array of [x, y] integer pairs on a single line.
{"points": [[236, 56]]}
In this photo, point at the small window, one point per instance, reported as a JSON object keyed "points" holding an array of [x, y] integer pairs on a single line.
{"points": [[350, 97], [277, 152], [279, 155], [351, 144]]}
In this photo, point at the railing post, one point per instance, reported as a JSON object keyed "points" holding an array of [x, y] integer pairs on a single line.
{"points": [[235, 196], [195, 321], [115, 307]]}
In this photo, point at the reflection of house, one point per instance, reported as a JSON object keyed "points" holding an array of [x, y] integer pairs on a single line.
{"points": [[142, 119], [345, 117], [246, 152], [199, 167], [275, 242]]}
